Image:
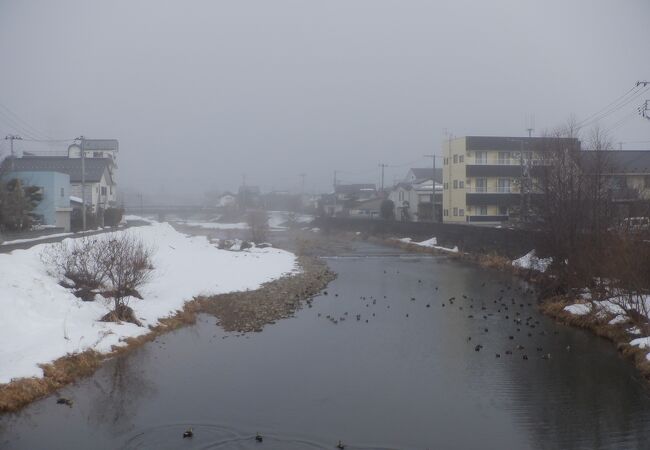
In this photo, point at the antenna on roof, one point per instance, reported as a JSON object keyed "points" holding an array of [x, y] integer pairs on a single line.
{"points": [[530, 124]]}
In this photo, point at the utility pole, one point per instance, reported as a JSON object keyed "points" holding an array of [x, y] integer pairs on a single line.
{"points": [[11, 138], [302, 190], [383, 166], [334, 211], [82, 142], [644, 108], [433, 187]]}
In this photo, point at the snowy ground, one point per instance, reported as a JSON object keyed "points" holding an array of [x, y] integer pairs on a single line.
{"points": [[42, 321], [429, 243], [608, 307], [531, 261]]}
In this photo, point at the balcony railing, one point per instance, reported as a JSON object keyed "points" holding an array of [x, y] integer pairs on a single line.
{"points": [[504, 162], [492, 190]]}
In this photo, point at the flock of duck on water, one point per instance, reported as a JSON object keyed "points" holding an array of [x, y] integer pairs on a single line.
{"points": [[510, 309]]}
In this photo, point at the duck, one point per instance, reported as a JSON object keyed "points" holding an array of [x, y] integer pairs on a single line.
{"points": [[188, 433], [64, 401], [258, 437]]}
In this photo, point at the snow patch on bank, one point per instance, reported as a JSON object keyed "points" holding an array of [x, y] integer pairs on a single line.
{"points": [[531, 261], [429, 243], [42, 321]]}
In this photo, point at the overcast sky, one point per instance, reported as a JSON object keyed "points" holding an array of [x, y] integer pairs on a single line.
{"points": [[200, 92]]}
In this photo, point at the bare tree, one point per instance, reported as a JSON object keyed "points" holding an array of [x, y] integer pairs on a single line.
{"points": [[258, 221]]}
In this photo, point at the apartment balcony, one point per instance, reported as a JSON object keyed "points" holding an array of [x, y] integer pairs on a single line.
{"points": [[496, 167]]}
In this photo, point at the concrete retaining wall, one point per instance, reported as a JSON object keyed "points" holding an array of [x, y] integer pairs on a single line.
{"points": [[476, 239]]}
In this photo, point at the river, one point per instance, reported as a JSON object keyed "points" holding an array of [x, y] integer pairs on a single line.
{"points": [[404, 375]]}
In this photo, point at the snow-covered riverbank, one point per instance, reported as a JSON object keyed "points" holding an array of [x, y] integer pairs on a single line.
{"points": [[42, 321]]}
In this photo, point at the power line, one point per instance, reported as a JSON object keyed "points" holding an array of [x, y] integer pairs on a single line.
{"points": [[615, 105], [29, 127]]}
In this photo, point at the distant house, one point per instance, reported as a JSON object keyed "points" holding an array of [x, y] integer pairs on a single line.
{"points": [[54, 209], [370, 209], [226, 200], [413, 200], [101, 188], [359, 191], [418, 175], [628, 172]]}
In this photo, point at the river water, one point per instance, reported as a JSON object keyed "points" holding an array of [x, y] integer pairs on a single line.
{"points": [[403, 376]]}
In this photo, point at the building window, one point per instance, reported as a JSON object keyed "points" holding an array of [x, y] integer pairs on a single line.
{"points": [[62, 192], [503, 185], [111, 190], [504, 158], [480, 158], [445, 212], [461, 184], [103, 190], [455, 184], [445, 185], [455, 212], [455, 159], [482, 210], [444, 161], [480, 185], [461, 212], [461, 158], [503, 210]]}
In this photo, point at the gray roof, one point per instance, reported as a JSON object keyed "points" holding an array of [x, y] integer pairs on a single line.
{"points": [[507, 143], [424, 173], [624, 161], [354, 188], [95, 167]]}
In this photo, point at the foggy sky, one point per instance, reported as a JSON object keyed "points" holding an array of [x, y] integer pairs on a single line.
{"points": [[200, 92]]}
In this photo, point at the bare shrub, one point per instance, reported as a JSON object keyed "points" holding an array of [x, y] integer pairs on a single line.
{"points": [[115, 266], [258, 221], [80, 262], [127, 264]]}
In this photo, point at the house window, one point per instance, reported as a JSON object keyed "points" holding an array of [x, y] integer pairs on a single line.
{"points": [[480, 158], [103, 190], [503, 185], [461, 184], [62, 192], [455, 159], [461, 158], [482, 210], [455, 211], [111, 190], [461, 212], [504, 158], [618, 182], [455, 184], [480, 185]]}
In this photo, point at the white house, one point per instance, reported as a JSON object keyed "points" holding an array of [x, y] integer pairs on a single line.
{"points": [[411, 199]]}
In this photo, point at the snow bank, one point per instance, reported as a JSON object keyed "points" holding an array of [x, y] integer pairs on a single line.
{"points": [[429, 243], [42, 321], [530, 261], [579, 309], [218, 225], [278, 220]]}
